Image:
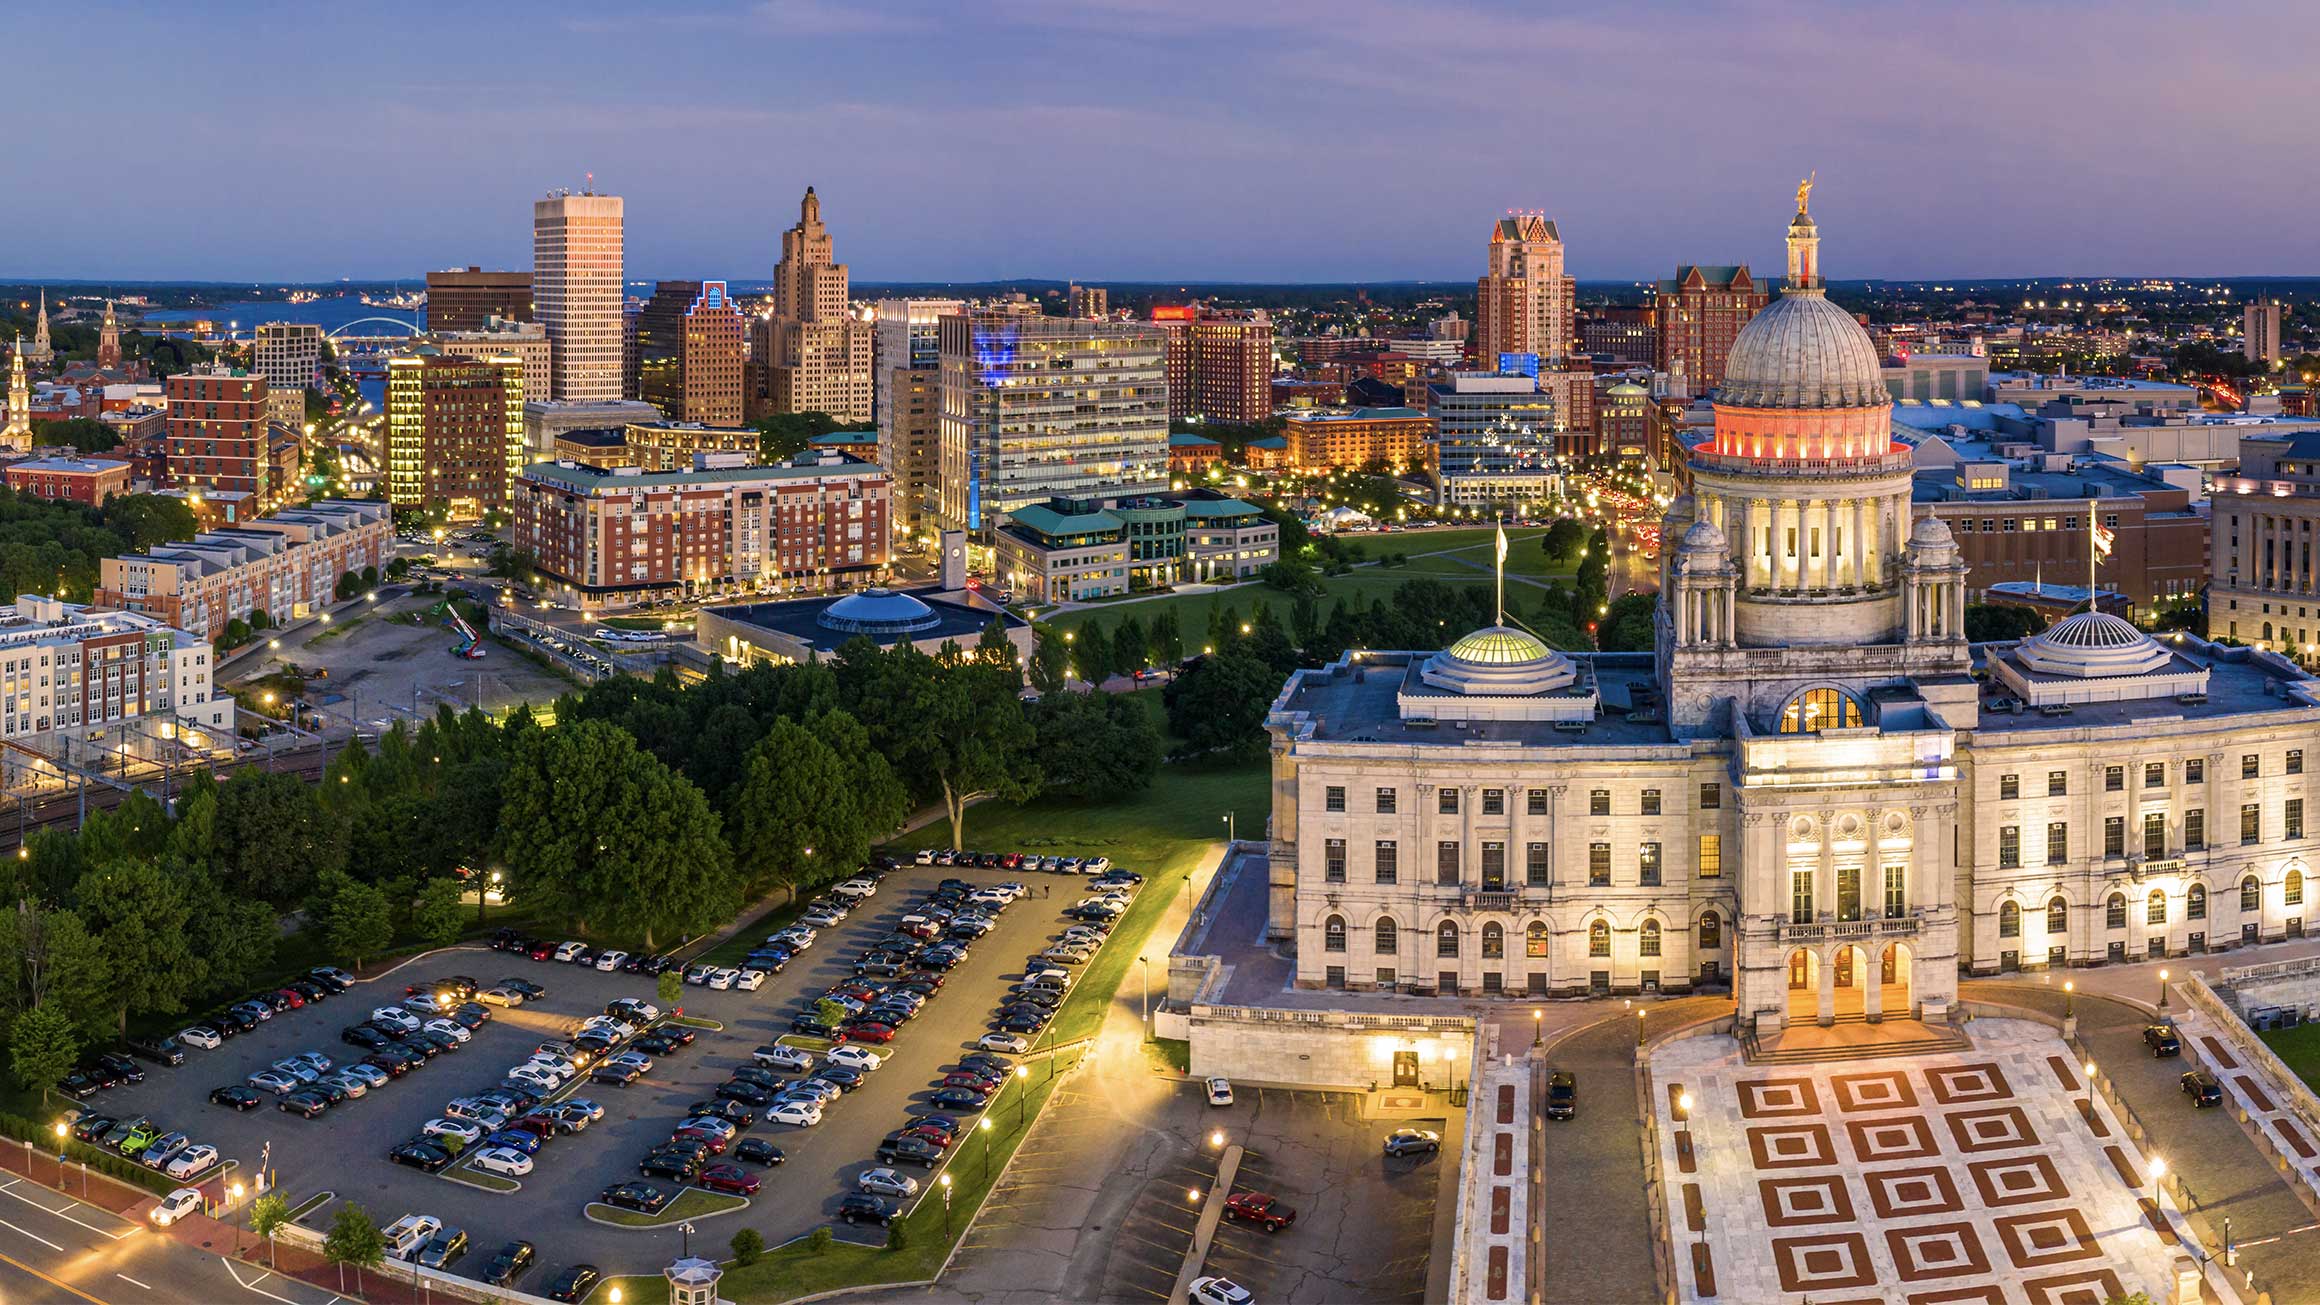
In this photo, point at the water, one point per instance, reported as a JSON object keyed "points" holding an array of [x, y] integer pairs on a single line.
{"points": [[329, 312]]}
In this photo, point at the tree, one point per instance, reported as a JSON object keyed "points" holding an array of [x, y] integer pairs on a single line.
{"points": [[349, 584], [788, 808], [273, 837], [1130, 647], [148, 520], [1628, 628], [995, 647], [2000, 622], [1167, 640], [784, 435], [1097, 746], [1563, 541], [954, 730], [436, 915], [1049, 656], [1292, 575], [235, 936], [86, 435], [1219, 705], [830, 1011], [354, 1239], [747, 1245], [267, 1216], [42, 1046], [356, 917], [141, 913], [62, 966], [670, 989]]}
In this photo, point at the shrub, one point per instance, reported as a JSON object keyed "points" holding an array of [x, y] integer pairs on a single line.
{"points": [[819, 1240], [897, 1238], [747, 1245]]}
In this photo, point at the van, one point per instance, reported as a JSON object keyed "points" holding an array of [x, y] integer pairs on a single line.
{"points": [[406, 1235]]}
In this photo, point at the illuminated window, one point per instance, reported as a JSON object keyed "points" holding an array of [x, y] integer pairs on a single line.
{"points": [[1599, 939], [1815, 710], [1535, 939], [2009, 920], [2058, 916], [2155, 911]]}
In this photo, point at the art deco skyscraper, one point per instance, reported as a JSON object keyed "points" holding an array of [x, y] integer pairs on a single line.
{"points": [[712, 358], [1523, 303], [576, 251], [820, 354]]}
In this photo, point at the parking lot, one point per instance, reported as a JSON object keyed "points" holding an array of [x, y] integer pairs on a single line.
{"points": [[343, 1152]]}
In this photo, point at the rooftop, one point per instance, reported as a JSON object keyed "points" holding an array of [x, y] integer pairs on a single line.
{"points": [[1356, 414], [802, 619], [620, 480], [1360, 703]]}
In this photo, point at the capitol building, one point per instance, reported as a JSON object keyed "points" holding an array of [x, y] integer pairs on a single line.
{"points": [[1814, 790]]}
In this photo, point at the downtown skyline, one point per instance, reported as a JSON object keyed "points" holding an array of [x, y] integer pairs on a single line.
{"points": [[1146, 142]]}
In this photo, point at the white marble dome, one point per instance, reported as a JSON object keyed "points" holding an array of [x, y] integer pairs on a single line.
{"points": [[1803, 352], [2092, 644]]}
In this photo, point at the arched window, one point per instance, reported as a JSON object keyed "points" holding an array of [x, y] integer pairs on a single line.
{"points": [[1493, 940], [1446, 939], [1711, 932], [2195, 903], [2058, 916], [1815, 710], [1650, 944], [1388, 937], [1599, 938], [1333, 934], [1535, 939], [2267, 630], [2009, 920], [2115, 911], [2155, 909], [2251, 894], [2292, 889]]}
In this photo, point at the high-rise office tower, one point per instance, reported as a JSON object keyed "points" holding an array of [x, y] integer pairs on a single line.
{"points": [[455, 431], [715, 345], [906, 361], [576, 249], [1090, 301], [1035, 408], [1698, 313], [1232, 365], [2260, 324], [217, 435], [653, 345], [468, 300], [821, 354], [1523, 303], [1174, 322]]}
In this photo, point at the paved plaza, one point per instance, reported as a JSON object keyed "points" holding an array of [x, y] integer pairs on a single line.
{"points": [[1983, 1176]]}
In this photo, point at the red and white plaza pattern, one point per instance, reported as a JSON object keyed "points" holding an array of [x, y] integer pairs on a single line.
{"points": [[1959, 1179]]}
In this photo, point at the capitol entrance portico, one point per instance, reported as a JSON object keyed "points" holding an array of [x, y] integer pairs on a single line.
{"points": [[1842, 981]]}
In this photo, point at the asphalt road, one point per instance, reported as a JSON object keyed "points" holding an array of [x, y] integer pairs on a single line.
{"points": [[344, 1151]]}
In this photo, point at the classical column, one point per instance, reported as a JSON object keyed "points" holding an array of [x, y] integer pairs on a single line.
{"points": [[1860, 557], [1828, 993], [1871, 976]]}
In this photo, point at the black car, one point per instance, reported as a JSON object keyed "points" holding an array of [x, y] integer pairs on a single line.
{"points": [[745, 1092], [574, 1283], [2201, 1087], [366, 1037], [80, 1085], [766, 962], [509, 1263], [232, 1020], [807, 1026], [305, 1103], [732, 1112], [957, 1099], [1562, 1095], [420, 1155], [861, 1207], [643, 1197], [239, 1098], [982, 1062], [161, 1051], [102, 1073], [655, 1044], [2162, 1040], [758, 1151], [276, 999], [902, 1146], [384, 1059], [615, 1075], [92, 1128], [948, 1125], [310, 989], [530, 990], [1019, 1024], [504, 939], [328, 1091], [328, 979], [669, 1164], [846, 1079], [761, 1076]]}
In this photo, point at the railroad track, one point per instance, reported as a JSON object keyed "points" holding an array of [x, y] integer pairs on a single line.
{"points": [[64, 810]]}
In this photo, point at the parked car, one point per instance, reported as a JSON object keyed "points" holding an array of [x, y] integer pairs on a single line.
{"points": [[1413, 1141], [191, 1160], [758, 1151], [574, 1283], [859, 1059], [509, 1263], [503, 1160], [796, 1114], [886, 1182], [862, 1207], [202, 1036], [2162, 1040], [2201, 1087], [163, 1050], [467, 1131], [1260, 1208], [953, 1098], [729, 1178], [425, 1156], [1212, 1290], [775, 1055], [305, 1103], [643, 1197], [443, 1249], [1562, 1096]]}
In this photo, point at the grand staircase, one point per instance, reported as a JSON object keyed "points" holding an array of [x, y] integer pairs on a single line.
{"points": [[1852, 1037]]}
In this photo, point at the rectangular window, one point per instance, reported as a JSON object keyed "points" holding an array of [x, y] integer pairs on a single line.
{"points": [[1385, 977], [1800, 896], [2057, 842], [1386, 801], [1389, 861], [1535, 802], [2009, 787], [1494, 866], [1446, 863], [1446, 801], [1333, 798], [2114, 836], [2154, 835], [1599, 802], [1493, 948], [1333, 861], [1711, 797], [2009, 846], [1651, 802], [2251, 765], [2114, 778], [2195, 770], [1711, 859], [2057, 783], [1896, 890], [2156, 911], [1494, 801], [2154, 774], [1535, 865], [2295, 764], [2195, 830], [2293, 820], [1446, 944], [1647, 864], [1598, 865], [2251, 823]]}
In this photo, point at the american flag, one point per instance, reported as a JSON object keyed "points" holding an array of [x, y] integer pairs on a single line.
{"points": [[2104, 539]]}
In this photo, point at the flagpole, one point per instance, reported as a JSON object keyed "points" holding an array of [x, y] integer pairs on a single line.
{"points": [[1501, 585], [2093, 551]]}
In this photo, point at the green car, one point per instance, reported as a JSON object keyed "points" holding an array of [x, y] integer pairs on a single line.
{"points": [[141, 1134]]}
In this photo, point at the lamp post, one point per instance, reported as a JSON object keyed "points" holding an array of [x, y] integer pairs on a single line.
{"points": [[946, 1189], [983, 1126], [2158, 1171], [1639, 1029], [235, 1192], [1538, 1028], [1023, 1083], [1144, 1007], [616, 1296], [685, 1230], [61, 1131], [1231, 831], [2069, 999], [2162, 989]]}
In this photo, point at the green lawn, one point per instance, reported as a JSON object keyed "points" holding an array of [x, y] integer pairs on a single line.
{"points": [[2299, 1049], [1414, 542], [1192, 610], [692, 1203]]}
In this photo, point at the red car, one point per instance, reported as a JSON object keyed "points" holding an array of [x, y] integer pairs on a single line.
{"points": [[855, 989], [1261, 1209], [1011, 861], [728, 1178], [715, 1142], [971, 1082], [871, 1031], [541, 951], [932, 1134], [296, 999], [539, 1126]]}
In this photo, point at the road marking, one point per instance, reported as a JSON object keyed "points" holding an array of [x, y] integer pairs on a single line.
{"points": [[59, 1212], [34, 1236], [252, 1285], [2266, 1241], [131, 1281], [5, 1259]]}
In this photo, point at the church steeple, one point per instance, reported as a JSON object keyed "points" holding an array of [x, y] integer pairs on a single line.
{"points": [[41, 349], [16, 437], [109, 341]]}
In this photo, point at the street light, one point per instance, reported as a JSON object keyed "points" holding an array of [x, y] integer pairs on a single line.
{"points": [[2158, 1171], [1216, 1137], [983, 1126], [1639, 1028], [686, 1230], [61, 1130], [1023, 1080], [1538, 1027], [2069, 999], [1684, 1114], [236, 1192], [616, 1296], [1231, 830], [2162, 989], [946, 1186]]}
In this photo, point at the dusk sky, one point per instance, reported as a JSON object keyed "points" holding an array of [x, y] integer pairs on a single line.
{"points": [[1283, 140]]}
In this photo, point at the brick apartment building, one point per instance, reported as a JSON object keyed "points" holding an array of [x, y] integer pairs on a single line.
{"points": [[86, 481], [286, 565], [217, 433], [1697, 314]]}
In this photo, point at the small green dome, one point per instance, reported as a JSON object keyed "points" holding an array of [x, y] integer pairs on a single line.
{"points": [[1500, 645]]}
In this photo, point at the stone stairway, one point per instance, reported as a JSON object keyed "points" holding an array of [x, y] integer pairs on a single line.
{"points": [[1851, 1037]]}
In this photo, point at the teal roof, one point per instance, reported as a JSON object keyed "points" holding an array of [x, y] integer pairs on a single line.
{"points": [[1047, 521], [1360, 414], [844, 439], [1184, 441], [1219, 507], [1270, 442]]}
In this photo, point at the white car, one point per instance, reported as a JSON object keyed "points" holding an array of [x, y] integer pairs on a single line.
{"points": [[468, 1133], [1219, 1291], [886, 1182], [1011, 888], [824, 917], [355, 1087], [451, 1029], [924, 856], [748, 980], [610, 961], [554, 1066], [636, 1060], [500, 997], [175, 1206], [503, 1160], [780, 1056], [639, 1010], [535, 1077], [192, 1160], [396, 1017], [1012, 1042], [1219, 1091], [797, 938], [566, 951], [1095, 865], [797, 1113], [853, 1057], [297, 1069], [274, 1081], [721, 979], [857, 889], [370, 1075], [202, 1038]]}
